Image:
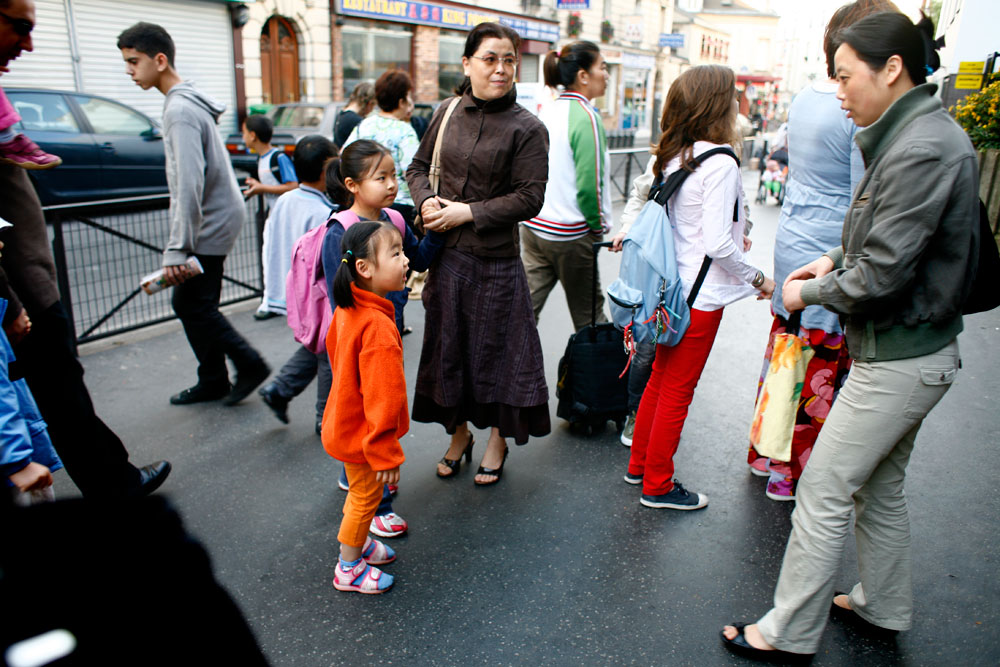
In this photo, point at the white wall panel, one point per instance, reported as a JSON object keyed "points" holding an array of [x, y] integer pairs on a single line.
{"points": [[201, 31]]}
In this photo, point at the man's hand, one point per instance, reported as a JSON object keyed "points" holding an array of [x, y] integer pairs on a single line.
{"points": [[254, 187], [747, 244], [387, 476], [32, 477], [175, 275], [19, 327]]}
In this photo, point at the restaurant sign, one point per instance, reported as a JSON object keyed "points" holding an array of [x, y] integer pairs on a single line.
{"points": [[445, 16]]}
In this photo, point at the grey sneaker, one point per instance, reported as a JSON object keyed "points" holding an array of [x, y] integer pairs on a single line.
{"points": [[679, 498], [628, 430]]}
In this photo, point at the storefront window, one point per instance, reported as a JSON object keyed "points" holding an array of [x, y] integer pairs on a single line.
{"points": [[368, 51], [634, 110], [450, 74], [527, 71]]}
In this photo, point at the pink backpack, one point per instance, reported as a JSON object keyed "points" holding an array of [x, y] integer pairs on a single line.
{"points": [[307, 303]]}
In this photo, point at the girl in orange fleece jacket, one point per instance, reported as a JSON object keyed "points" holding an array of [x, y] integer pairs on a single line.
{"points": [[366, 357]]}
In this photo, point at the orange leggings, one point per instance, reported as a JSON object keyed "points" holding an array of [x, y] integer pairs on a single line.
{"points": [[359, 509]]}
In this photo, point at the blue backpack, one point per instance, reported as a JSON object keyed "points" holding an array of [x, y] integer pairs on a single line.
{"points": [[647, 299]]}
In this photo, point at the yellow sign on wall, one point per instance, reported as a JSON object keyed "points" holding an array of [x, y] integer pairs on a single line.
{"points": [[968, 81], [971, 67]]}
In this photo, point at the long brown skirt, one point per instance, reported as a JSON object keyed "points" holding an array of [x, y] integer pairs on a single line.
{"points": [[481, 361]]}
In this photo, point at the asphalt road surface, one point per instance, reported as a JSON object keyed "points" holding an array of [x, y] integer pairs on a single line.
{"points": [[558, 564]]}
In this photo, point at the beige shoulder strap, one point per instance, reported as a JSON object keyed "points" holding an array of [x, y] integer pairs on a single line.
{"points": [[434, 174]]}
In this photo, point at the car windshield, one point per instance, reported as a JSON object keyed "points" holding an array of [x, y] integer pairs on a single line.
{"points": [[300, 115]]}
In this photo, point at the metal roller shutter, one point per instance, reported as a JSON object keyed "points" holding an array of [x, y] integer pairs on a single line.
{"points": [[201, 31]]}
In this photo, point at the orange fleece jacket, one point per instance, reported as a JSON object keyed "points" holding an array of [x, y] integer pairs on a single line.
{"points": [[366, 413]]}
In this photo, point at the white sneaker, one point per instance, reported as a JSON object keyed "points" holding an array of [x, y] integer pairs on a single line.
{"points": [[629, 429], [388, 525]]}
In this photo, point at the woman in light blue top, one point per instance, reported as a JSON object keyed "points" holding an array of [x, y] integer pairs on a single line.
{"points": [[825, 166]]}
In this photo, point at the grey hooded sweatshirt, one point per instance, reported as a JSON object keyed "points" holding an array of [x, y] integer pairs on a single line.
{"points": [[206, 207]]}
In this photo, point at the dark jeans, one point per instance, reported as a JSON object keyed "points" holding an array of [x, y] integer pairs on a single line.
{"points": [[638, 373], [95, 458], [299, 371], [212, 337]]}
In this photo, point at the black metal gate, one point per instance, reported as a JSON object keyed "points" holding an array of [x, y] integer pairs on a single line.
{"points": [[102, 249]]}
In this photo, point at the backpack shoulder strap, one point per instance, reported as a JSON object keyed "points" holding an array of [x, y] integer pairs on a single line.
{"points": [[275, 166], [396, 218], [345, 217], [662, 192]]}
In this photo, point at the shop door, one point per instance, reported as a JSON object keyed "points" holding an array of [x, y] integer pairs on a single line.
{"points": [[279, 61]]}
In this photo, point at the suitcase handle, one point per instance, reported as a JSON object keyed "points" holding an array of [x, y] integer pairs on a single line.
{"points": [[593, 288]]}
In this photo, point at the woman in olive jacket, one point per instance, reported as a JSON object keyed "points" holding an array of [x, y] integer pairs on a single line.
{"points": [[899, 281]]}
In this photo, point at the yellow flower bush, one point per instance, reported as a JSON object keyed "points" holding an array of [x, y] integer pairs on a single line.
{"points": [[978, 115]]}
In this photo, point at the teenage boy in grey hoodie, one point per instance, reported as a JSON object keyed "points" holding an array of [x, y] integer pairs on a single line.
{"points": [[206, 215]]}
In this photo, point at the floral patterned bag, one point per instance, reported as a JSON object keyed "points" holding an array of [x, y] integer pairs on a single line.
{"points": [[778, 401]]}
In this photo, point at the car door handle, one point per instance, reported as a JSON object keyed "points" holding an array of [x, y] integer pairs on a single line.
{"points": [[108, 146]]}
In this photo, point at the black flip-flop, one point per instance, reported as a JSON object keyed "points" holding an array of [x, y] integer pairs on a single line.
{"points": [[740, 646]]}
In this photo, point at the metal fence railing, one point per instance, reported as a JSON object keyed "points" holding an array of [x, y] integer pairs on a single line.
{"points": [[102, 249], [626, 164]]}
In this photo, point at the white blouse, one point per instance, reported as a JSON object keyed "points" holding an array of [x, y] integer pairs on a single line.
{"points": [[701, 215]]}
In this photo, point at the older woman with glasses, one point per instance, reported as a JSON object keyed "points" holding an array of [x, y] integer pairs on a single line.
{"points": [[481, 359]]}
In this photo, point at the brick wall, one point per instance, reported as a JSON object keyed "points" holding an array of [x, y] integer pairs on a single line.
{"points": [[425, 63], [336, 63]]}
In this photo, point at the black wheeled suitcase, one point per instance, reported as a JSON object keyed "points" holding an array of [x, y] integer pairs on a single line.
{"points": [[589, 390]]}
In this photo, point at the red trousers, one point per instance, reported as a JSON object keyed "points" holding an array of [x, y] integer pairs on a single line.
{"points": [[665, 402]]}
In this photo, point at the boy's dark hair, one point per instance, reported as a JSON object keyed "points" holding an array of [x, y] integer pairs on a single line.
{"points": [[148, 38], [260, 125], [357, 161], [360, 241], [311, 153], [392, 88]]}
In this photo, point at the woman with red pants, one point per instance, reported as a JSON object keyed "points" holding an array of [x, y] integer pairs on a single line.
{"points": [[707, 220]]}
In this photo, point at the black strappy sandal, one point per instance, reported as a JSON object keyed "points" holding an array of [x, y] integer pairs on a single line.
{"points": [[453, 465], [493, 471]]}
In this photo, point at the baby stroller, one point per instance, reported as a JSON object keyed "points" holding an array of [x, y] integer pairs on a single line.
{"points": [[773, 176]]}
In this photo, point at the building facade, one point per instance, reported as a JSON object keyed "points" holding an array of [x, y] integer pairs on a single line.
{"points": [[75, 48]]}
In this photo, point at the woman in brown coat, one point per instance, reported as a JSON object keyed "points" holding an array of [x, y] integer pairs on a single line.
{"points": [[481, 359]]}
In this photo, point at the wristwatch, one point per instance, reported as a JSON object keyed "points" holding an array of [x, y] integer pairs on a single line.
{"points": [[758, 279]]}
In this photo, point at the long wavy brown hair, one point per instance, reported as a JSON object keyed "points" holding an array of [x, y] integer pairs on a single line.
{"points": [[701, 106]]}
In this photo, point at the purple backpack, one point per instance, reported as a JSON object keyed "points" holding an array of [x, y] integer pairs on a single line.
{"points": [[307, 303]]}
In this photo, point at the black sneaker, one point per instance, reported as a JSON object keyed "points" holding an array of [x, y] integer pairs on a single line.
{"points": [[201, 393], [275, 401], [679, 498], [632, 479], [247, 380]]}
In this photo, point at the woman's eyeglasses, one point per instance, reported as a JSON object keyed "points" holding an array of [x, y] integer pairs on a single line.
{"points": [[22, 27], [491, 60]]}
